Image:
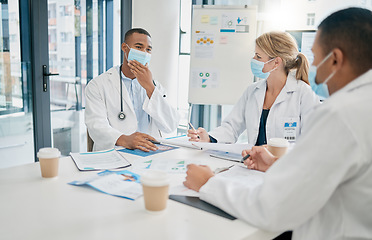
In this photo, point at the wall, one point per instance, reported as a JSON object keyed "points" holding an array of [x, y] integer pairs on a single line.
{"points": [[161, 19]]}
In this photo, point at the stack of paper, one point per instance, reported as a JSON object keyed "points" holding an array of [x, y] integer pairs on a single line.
{"points": [[102, 160]]}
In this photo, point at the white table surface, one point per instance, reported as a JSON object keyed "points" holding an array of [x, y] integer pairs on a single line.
{"points": [[32, 207]]}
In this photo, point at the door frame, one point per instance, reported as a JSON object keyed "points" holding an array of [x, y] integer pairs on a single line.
{"points": [[35, 50]]}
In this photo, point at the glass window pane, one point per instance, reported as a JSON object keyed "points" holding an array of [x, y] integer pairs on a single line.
{"points": [[77, 51], [16, 119]]}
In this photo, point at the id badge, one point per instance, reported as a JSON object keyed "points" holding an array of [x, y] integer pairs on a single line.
{"points": [[290, 131]]}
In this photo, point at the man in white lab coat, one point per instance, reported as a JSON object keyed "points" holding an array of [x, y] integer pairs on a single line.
{"points": [[125, 106], [322, 189]]}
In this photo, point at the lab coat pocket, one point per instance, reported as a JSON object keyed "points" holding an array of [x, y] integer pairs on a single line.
{"points": [[289, 128]]}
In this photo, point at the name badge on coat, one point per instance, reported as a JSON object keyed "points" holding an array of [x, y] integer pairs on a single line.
{"points": [[290, 131]]}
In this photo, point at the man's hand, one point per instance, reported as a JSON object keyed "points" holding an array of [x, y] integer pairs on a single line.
{"points": [[137, 140], [260, 158], [143, 75], [197, 176], [199, 135]]}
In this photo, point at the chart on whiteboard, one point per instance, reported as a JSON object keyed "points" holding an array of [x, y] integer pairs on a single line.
{"points": [[204, 44], [234, 23], [204, 78]]}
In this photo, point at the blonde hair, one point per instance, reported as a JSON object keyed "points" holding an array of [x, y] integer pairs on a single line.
{"points": [[283, 45]]}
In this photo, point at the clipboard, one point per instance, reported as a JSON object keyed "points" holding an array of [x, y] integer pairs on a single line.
{"points": [[197, 203], [101, 160]]}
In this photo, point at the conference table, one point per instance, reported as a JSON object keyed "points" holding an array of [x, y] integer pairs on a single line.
{"points": [[32, 207]]}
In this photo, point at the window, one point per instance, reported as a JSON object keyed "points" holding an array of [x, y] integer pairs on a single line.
{"points": [[65, 10], [13, 37], [310, 19], [66, 36], [52, 11]]}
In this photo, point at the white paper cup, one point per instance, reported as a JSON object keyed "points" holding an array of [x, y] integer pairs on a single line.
{"points": [[277, 146], [155, 185], [49, 160]]}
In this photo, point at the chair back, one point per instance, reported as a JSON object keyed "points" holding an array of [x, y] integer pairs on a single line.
{"points": [[90, 143]]}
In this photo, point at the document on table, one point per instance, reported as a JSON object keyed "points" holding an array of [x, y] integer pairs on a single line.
{"points": [[181, 190], [243, 175], [123, 183], [169, 165], [172, 165], [224, 147], [183, 141], [102, 160]]}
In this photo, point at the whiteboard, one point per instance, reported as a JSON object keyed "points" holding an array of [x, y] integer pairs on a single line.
{"points": [[222, 45]]}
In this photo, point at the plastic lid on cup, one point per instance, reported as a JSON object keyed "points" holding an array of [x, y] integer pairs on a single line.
{"points": [[48, 153], [155, 178], [278, 142]]}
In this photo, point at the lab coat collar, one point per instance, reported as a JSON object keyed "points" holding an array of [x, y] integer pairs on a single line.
{"points": [[360, 81], [289, 87], [115, 78]]}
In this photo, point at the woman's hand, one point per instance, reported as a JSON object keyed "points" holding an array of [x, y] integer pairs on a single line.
{"points": [[199, 135]]}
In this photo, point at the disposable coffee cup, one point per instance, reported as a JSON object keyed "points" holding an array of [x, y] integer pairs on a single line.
{"points": [[277, 146], [49, 160], [155, 185]]}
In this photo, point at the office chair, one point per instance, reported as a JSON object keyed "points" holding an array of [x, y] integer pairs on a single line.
{"points": [[90, 143]]}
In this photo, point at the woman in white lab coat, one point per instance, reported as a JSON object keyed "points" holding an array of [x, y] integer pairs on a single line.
{"points": [[276, 106]]}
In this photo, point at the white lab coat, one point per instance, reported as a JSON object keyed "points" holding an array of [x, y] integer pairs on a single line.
{"points": [[103, 107], [292, 104], [323, 187]]}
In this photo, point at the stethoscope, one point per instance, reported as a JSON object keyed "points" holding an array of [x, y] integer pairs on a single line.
{"points": [[121, 114]]}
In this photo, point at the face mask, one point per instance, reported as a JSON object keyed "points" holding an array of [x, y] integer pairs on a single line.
{"points": [[257, 66], [320, 89], [139, 56]]}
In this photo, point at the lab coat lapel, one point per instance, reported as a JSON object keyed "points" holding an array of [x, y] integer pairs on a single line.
{"points": [[290, 86], [115, 79], [259, 95]]}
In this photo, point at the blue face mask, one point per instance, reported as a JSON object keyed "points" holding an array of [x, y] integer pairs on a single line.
{"points": [[257, 66], [320, 89], [139, 56]]}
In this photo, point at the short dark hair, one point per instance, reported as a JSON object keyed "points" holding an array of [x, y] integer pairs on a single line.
{"points": [[136, 30], [350, 30]]}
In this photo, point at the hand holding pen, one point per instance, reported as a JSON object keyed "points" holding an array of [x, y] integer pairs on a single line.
{"points": [[199, 135], [258, 158], [245, 156]]}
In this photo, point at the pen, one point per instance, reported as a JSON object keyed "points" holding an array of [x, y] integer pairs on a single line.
{"points": [[200, 148], [154, 142], [192, 127], [220, 170], [245, 158]]}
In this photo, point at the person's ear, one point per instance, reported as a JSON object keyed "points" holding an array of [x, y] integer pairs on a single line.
{"points": [[124, 48], [278, 61], [338, 59]]}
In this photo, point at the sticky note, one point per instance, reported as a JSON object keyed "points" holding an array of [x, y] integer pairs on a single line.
{"points": [[214, 20], [223, 40], [205, 19]]}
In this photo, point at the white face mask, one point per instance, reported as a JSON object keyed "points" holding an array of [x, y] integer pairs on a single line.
{"points": [[139, 56]]}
